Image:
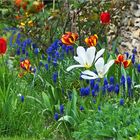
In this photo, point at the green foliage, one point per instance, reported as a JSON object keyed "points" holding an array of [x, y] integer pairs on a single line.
{"points": [[28, 104], [112, 122], [16, 138], [15, 115]]}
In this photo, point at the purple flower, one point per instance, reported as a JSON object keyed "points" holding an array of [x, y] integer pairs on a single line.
{"points": [[87, 91], [55, 62], [67, 50], [96, 87], [42, 56], [18, 51], [22, 98], [117, 89], [49, 59], [110, 88], [27, 54], [28, 41], [46, 66], [127, 55], [81, 108], [134, 50], [121, 101], [93, 93], [133, 58], [129, 82], [18, 39], [34, 46], [55, 76], [40, 63], [138, 68], [105, 82], [112, 81], [99, 108], [49, 50], [92, 82], [57, 55], [82, 91], [33, 70], [61, 109], [36, 51], [23, 50], [56, 116]]}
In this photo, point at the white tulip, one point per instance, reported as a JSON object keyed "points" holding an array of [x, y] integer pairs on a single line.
{"points": [[86, 58], [101, 69]]}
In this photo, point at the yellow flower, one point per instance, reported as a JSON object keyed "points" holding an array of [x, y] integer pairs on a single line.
{"points": [[22, 24], [30, 23]]}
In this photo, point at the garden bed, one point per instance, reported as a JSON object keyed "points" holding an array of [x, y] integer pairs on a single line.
{"points": [[63, 74]]}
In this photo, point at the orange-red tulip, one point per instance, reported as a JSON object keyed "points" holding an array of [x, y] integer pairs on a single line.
{"points": [[126, 63], [92, 40], [21, 4], [121, 60], [69, 38]]}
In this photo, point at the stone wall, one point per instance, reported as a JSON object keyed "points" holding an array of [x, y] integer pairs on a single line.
{"points": [[130, 28]]}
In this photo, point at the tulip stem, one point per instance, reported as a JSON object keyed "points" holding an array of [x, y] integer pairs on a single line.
{"points": [[53, 5], [76, 44]]}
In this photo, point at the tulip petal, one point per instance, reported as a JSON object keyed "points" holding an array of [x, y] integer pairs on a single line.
{"points": [[90, 55], [87, 41], [120, 58], [99, 53], [79, 60], [107, 66], [126, 63], [90, 73], [99, 65], [65, 42], [88, 77], [82, 53], [73, 66]]}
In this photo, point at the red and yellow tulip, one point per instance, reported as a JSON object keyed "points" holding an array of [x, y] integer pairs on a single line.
{"points": [[121, 60], [92, 40], [69, 38], [26, 66]]}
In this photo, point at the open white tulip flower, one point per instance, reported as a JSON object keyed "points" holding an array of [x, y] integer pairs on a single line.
{"points": [[101, 69], [86, 58]]}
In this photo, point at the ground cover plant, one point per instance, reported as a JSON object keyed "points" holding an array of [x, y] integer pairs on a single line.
{"points": [[59, 76]]}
